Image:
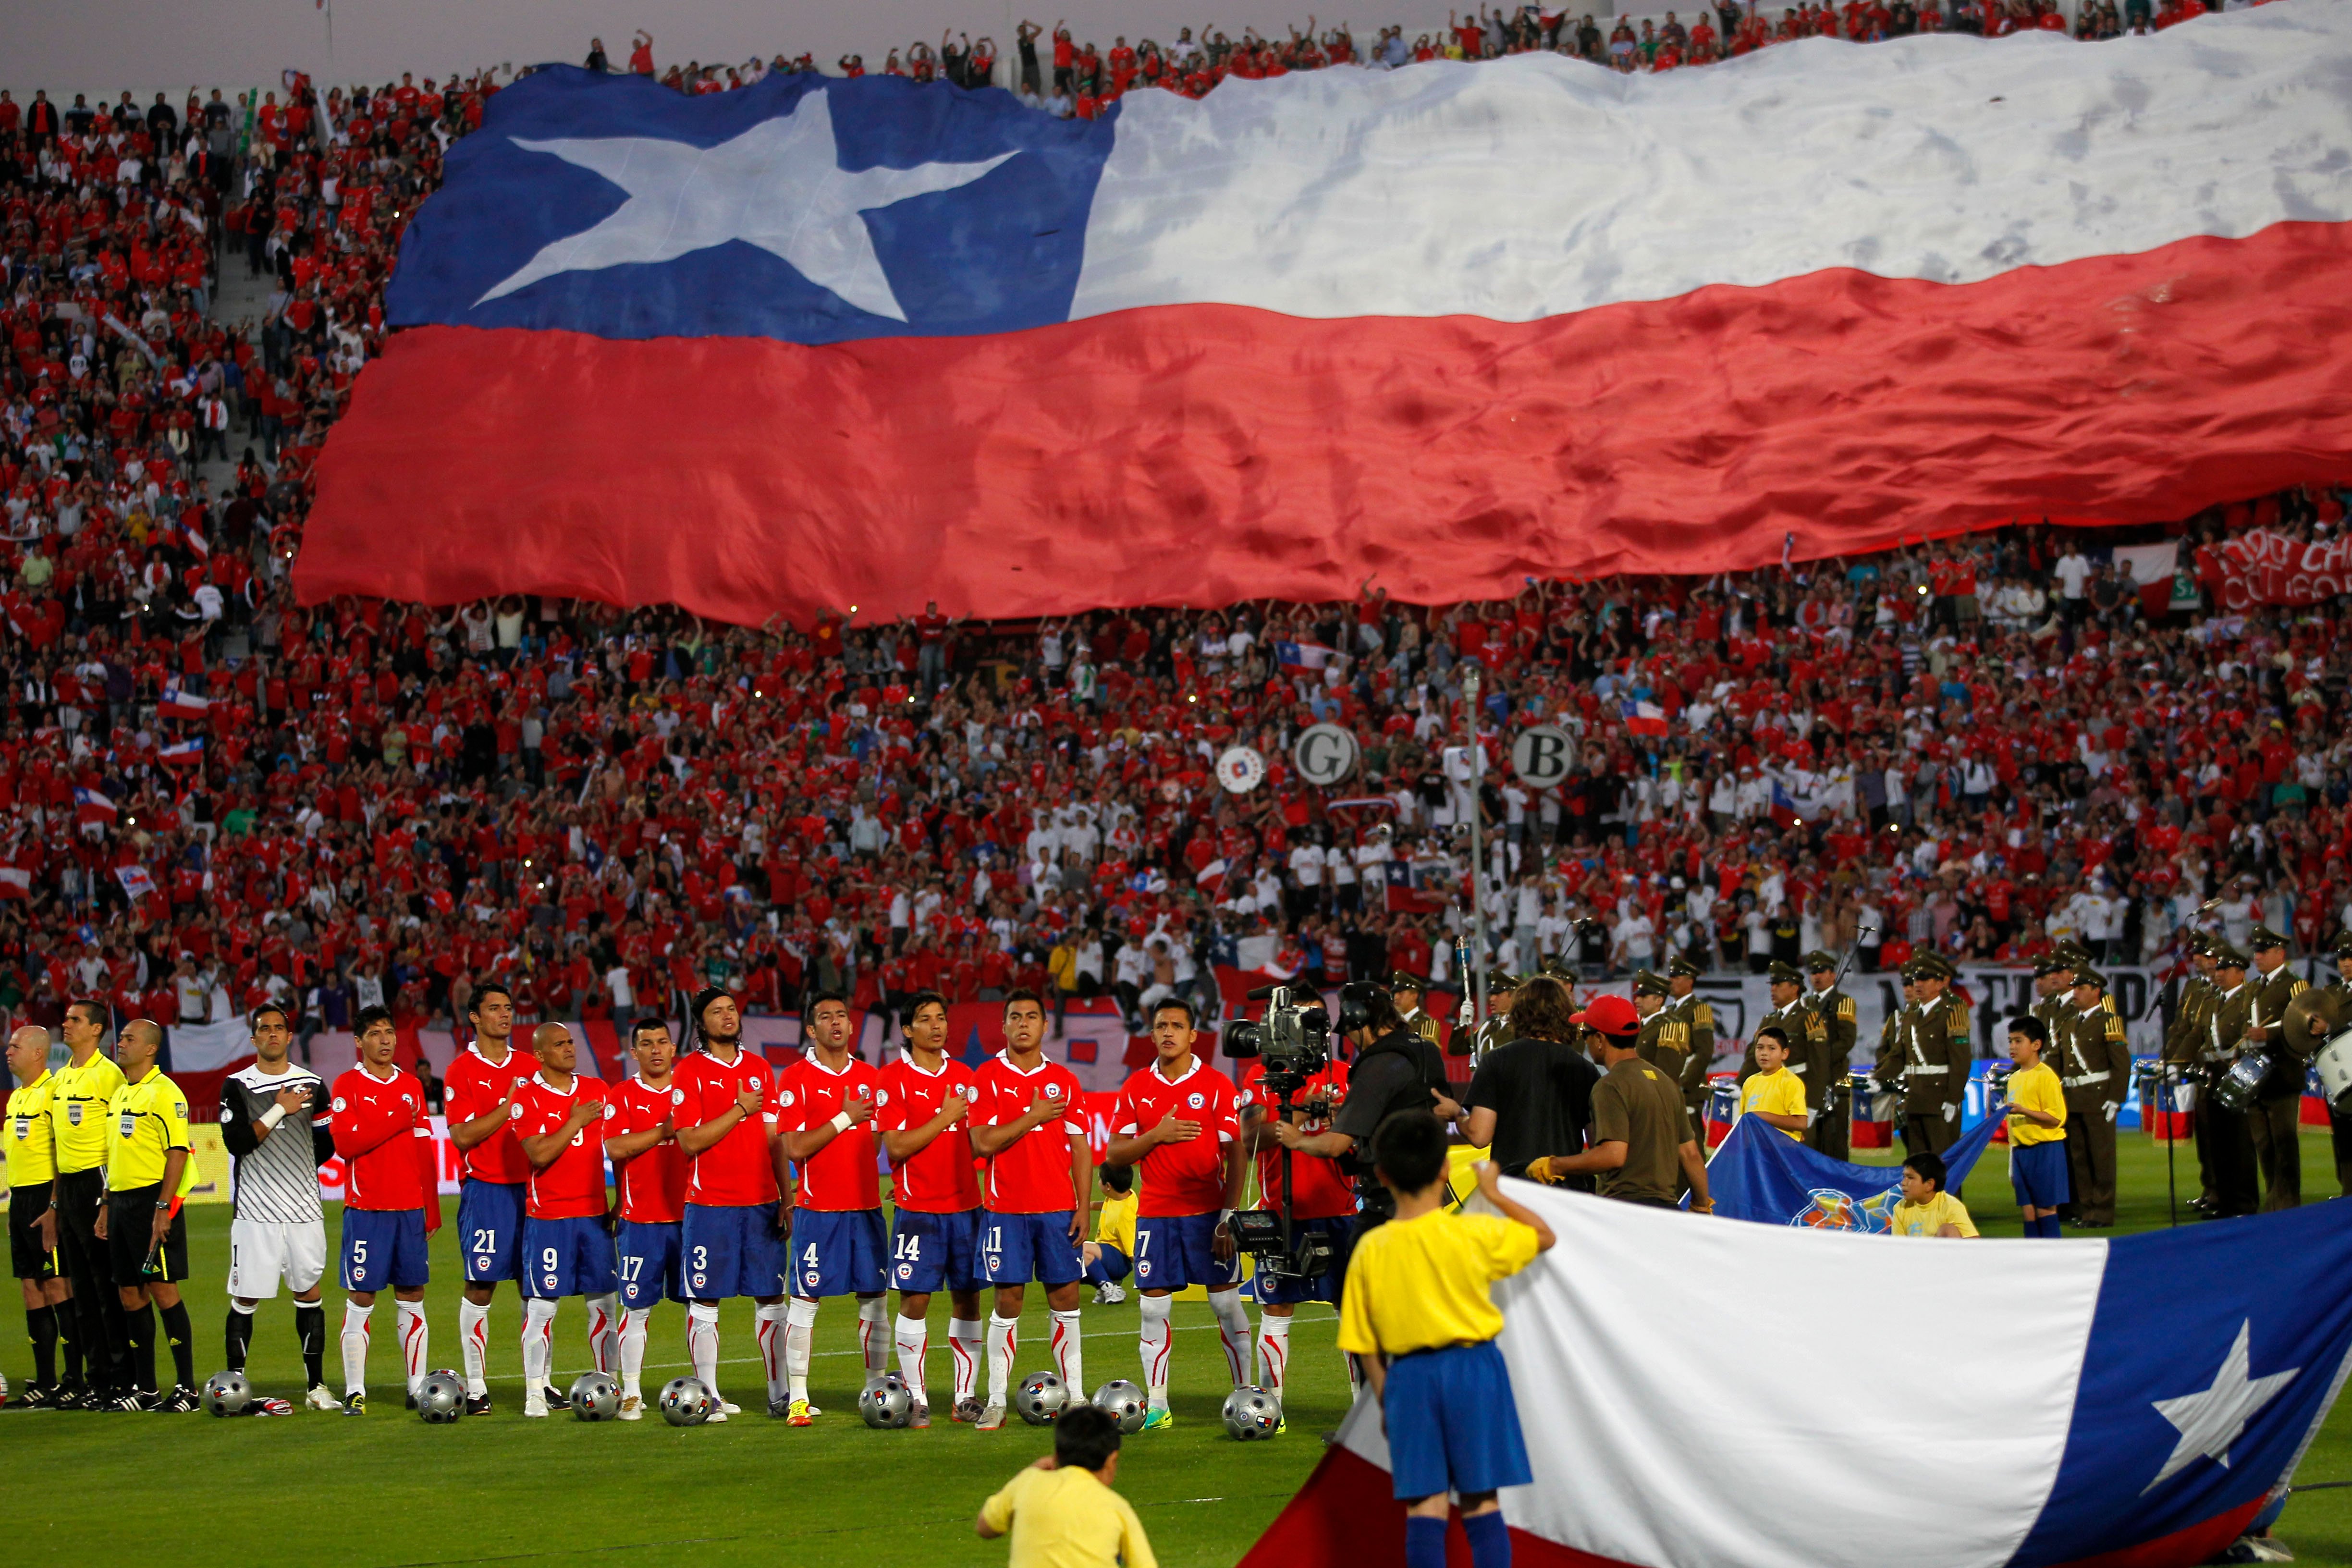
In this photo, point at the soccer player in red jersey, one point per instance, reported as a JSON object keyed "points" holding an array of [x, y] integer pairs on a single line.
{"points": [[1026, 1125], [641, 1138], [922, 1108], [733, 1233], [567, 1246], [825, 1115], [1325, 1203], [1176, 1122], [478, 1093], [385, 1142]]}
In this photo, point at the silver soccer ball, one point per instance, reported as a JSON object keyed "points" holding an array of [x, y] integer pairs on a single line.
{"points": [[594, 1396], [685, 1401], [441, 1398], [885, 1401], [1123, 1402], [1252, 1413], [226, 1394], [1041, 1399]]}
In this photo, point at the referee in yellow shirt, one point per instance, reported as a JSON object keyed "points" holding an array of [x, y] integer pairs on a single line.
{"points": [[32, 1181], [148, 1173], [84, 1087], [1418, 1309]]}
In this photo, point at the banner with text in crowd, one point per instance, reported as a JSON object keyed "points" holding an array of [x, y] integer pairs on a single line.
{"points": [[1761, 1174], [2263, 566], [2164, 1388]]}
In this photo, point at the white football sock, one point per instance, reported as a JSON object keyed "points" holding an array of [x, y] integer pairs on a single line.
{"points": [[1070, 1353], [967, 1340], [355, 1344], [1273, 1353], [870, 1337], [913, 1338], [474, 1340], [605, 1331], [413, 1341], [1233, 1330], [702, 1343], [800, 1339], [537, 1345], [1154, 1342], [1004, 1340], [634, 1324]]}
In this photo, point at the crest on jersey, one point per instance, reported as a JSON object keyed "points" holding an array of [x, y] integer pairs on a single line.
{"points": [[1053, 1092], [1197, 1100], [906, 1271], [698, 1278], [812, 1277], [549, 1279]]}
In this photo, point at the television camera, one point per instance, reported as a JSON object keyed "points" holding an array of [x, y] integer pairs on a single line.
{"points": [[1292, 1045]]}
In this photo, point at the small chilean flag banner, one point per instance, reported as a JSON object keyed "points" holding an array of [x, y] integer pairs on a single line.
{"points": [[2128, 1403], [824, 341]]}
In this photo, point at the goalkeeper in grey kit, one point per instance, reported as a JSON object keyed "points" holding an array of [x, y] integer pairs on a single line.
{"points": [[274, 1117]]}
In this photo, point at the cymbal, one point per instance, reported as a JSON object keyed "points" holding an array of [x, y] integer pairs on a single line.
{"points": [[2315, 1017]]}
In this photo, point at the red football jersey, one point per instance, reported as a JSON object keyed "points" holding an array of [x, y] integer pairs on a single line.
{"points": [[1324, 1189], [843, 1175], [941, 1178], [1031, 1175], [474, 1086], [1188, 1177], [574, 1186], [653, 1185], [738, 1168], [376, 1123]]}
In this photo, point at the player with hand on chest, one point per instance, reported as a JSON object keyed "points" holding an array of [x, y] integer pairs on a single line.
{"points": [[733, 1233], [477, 1092], [641, 1139], [1026, 1124], [385, 1141], [567, 1242], [923, 1109], [1177, 1121], [825, 1115]]}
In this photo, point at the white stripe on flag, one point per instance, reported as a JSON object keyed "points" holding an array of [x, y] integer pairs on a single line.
{"points": [[1668, 1425], [1536, 186]]}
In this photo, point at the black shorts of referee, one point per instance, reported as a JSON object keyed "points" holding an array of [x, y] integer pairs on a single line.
{"points": [[129, 1230], [28, 1258]]}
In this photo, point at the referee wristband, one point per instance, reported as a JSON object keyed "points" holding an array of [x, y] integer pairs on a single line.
{"points": [[841, 1123], [273, 1116]]}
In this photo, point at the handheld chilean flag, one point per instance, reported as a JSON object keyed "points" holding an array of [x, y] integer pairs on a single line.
{"points": [[1645, 719], [136, 882], [91, 805], [1301, 658], [179, 704], [877, 342], [182, 753], [15, 881], [2032, 1403]]}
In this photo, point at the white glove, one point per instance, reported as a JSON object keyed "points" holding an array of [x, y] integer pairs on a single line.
{"points": [[2112, 1107], [1951, 1113]]}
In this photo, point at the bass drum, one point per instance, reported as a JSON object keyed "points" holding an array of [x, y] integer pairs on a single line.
{"points": [[2333, 1065], [2236, 1089]]}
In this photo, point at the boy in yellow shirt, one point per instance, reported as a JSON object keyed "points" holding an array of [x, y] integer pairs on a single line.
{"points": [[1927, 1209], [1109, 1255], [1418, 1309], [2037, 1129], [1772, 1093], [1061, 1511]]}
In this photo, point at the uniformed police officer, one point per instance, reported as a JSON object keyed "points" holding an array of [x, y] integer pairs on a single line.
{"points": [[1408, 989], [2184, 1041], [2095, 1073], [1895, 1032], [1938, 1056], [2340, 1126], [32, 1180], [1664, 1040], [150, 1171], [1697, 1017], [2229, 1142], [2053, 978], [2274, 1120], [1831, 1012], [85, 1088], [1494, 1030]]}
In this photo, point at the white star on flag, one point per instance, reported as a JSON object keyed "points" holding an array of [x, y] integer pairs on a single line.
{"points": [[2210, 1422], [779, 186]]}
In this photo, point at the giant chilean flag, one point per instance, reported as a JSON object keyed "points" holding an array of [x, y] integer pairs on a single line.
{"points": [[1696, 1395], [826, 343]]}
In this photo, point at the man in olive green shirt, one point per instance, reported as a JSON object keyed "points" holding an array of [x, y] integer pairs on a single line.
{"points": [[1641, 1136]]}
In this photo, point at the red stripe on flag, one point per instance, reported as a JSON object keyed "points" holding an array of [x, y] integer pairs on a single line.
{"points": [[1205, 454]]}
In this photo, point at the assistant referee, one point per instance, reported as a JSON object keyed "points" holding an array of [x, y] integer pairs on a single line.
{"points": [[83, 1089], [148, 1171], [32, 1182]]}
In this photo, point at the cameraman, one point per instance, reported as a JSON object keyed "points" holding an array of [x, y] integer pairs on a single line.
{"points": [[1395, 1069]]}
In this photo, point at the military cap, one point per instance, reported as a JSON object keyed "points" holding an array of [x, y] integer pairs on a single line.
{"points": [[2343, 944], [1650, 980], [1914, 968], [1936, 966], [2263, 937], [2228, 957], [2053, 964], [1819, 960], [1684, 966], [2071, 952], [1501, 980], [1558, 968], [1405, 980], [2085, 975], [1786, 971]]}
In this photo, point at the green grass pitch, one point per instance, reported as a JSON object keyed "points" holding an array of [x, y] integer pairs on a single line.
{"points": [[388, 1491]]}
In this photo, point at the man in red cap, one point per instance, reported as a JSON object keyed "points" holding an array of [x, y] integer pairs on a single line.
{"points": [[1641, 1135]]}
